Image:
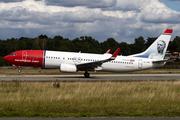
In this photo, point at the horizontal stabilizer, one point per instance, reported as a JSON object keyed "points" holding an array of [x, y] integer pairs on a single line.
{"points": [[165, 60]]}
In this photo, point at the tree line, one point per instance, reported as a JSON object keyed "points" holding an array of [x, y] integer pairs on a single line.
{"points": [[85, 44]]}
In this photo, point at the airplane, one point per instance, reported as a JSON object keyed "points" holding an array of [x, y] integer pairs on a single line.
{"points": [[73, 62]]}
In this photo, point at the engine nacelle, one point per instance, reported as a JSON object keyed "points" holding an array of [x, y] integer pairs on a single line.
{"points": [[68, 68]]}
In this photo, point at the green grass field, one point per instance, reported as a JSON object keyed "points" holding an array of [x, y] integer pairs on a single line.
{"points": [[90, 99]]}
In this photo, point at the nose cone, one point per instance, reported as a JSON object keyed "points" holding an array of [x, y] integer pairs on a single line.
{"points": [[6, 58]]}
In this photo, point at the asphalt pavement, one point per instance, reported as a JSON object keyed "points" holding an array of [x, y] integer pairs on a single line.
{"points": [[92, 78]]}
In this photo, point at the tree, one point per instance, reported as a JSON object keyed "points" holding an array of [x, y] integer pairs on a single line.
{"points": [[50, 44], [175, 45], [42, 37], [125, 48], [138, 46], [110, 43], [149, 41], [78, 44]]}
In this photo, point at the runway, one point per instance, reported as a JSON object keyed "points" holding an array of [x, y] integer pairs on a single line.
{"points": [[93, 77]]}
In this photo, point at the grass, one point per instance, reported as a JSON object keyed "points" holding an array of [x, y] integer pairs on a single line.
{"points": [[90, 99]]}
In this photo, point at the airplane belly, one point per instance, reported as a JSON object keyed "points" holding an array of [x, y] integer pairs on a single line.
{"points": [[119, 67], [137, 65]]}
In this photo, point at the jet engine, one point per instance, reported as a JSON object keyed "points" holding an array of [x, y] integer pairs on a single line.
{"points": [[68, 68]]}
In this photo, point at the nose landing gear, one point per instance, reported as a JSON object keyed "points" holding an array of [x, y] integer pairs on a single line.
{"points": [[19, 70], [19, 67], [86, 74]]}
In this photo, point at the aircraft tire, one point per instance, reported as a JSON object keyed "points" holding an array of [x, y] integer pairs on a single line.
{"points": [[86, 74]]}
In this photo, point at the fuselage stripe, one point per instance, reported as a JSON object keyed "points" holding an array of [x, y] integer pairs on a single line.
{"points": [[44, 59]]}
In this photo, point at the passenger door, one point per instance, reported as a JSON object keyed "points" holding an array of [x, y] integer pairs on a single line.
{"points": [[140, 63], [24, 56]]}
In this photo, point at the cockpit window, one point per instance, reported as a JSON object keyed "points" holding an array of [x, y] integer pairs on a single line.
{"points": [[13, 54]]}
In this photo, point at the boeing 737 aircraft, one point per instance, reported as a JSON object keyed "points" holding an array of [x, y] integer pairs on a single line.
{"points": [[72, 62]]}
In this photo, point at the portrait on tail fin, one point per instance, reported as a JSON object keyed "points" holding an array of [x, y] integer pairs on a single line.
{"points": [[160, 46]]}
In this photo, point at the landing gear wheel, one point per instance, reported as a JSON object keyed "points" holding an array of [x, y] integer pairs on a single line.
{"points": [[19, 70], [86, 74]]}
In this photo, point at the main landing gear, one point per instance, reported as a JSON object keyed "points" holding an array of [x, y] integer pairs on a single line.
{"points": [[86, 74]]}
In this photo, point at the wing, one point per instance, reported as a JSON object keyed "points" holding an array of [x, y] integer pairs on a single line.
{"points": [[91, 65]]}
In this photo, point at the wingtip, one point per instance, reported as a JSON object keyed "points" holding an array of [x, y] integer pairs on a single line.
{"points": [[108, 51], [116, 53]]}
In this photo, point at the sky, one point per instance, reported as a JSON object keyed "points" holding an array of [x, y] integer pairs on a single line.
{"points": [[123, 20]]}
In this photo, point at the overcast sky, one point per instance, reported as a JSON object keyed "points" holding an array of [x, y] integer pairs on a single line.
{"points": [[123, 20]]}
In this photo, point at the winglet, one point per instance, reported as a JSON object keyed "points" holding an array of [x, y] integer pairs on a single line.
{"points": [[168, 31], [115, 54], [108, 51]]}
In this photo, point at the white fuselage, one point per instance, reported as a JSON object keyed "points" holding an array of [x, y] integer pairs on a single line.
{"points": [[54, 59]]}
